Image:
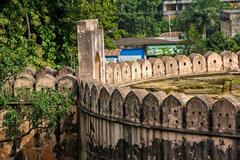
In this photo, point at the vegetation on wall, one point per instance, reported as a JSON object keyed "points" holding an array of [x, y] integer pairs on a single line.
{"points": [[16, 52]]}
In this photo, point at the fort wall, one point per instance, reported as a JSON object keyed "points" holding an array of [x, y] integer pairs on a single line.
{"points": [[44, 146], [120, 123]]}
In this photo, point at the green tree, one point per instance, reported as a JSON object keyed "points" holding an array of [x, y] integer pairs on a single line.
{"points": [[49, 27], [218, 42], [48, 107], [194, 42], [204, 14], [140, 18]]}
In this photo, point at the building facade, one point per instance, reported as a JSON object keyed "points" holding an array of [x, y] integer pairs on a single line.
{"points": [[230, 22], [173, 8]]}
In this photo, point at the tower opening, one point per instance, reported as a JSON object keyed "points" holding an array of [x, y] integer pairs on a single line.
{"points": [[97, 67]]}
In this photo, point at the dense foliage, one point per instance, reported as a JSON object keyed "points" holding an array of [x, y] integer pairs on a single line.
{"points": [[141, 18], [48, 28], [44, 32], [217, 42], [203, 14]]}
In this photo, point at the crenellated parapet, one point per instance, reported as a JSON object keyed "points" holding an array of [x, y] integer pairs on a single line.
{"points": [[157, 109], [62, 80], [167, 66]]}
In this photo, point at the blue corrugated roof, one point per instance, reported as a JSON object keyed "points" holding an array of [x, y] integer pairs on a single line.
{"points": [[129, 52]]}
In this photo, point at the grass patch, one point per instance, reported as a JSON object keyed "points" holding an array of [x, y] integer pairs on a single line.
{"points": [[217, 85]]}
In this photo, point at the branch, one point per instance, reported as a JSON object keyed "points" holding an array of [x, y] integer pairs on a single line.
{"points": [[28, 27], [18, 138]]}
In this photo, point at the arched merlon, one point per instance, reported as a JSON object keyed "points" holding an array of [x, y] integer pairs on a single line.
{"points": [[146, 68], [230, 61], [168, 66], [151, 108], [46, 70], [158, 67], [198, 113], [65, 71], [28, 79], [68, 83], [45, 82], [225, 115], [23, 83], [28, 72], [177, 110], [173, 110], [132, 105], [171, 66], [199, 64], [117, 102], [184, 64]]}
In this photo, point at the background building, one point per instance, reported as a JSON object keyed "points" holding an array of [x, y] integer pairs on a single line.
{"points": [[173, 8], [151, 47], [230, 22]]}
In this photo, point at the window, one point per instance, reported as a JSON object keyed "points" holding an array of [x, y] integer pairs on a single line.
{"points": [[229, 126], [219, 125], [220, 114], [193, 112], [171, 65], [177, 121], [126, 71], [146, 68], [199, 113], [227, 115], [117, 73], [214, 61], [158, 66], [136, 70], [171, 7], [180, 7], [184, 64], [192, 122], [201, 124], [199, 62], [230, 60]]}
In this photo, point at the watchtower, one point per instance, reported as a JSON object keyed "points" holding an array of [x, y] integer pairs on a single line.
{"points": [[91, 50]]}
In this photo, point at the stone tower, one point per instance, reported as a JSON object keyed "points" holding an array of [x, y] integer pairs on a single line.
{"points": [[91, 50]]}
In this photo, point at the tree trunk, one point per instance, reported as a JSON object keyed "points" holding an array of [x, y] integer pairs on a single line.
{"points": [[57, 147], [28, 27], [204, 31]]}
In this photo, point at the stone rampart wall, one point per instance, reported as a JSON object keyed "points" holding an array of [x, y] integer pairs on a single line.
{"points": [[210, 62], [47, 145], [126, 124], [179, 111], [62, 80]]}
